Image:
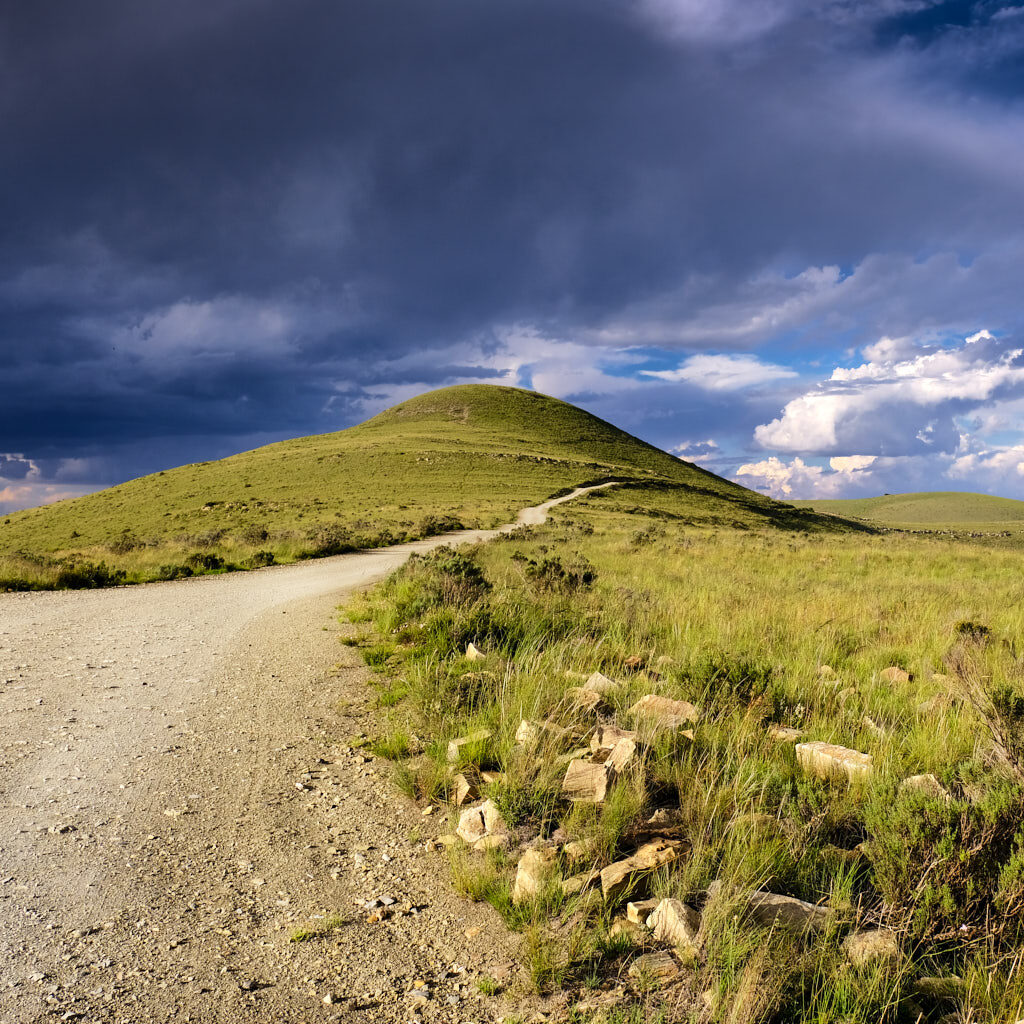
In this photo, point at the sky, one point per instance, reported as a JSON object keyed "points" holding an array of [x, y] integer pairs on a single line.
{"points": [[784, 240]]}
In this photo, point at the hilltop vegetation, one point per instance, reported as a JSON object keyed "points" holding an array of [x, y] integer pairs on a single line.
{"points": [[935, 509], [464, 456], [905, 649]]}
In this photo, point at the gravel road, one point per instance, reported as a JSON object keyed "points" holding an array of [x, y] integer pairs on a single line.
{"points": [[178, 796]]}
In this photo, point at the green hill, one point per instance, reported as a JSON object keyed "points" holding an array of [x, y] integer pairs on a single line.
{"points": [[471, 455], [935, 509]]}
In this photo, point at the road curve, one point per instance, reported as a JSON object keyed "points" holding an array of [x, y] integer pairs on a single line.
{"points": [[150, 739]]}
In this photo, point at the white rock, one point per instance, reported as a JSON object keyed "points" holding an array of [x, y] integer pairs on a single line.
{"points": [[830, 760]]}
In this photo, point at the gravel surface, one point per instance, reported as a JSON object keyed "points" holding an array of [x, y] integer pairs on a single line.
{"points": [[178, 798]]}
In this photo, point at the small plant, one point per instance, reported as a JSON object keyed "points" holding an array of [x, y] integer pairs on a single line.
{"points": [[394, 746], [89, 576], [487, 986], [331, 923]]}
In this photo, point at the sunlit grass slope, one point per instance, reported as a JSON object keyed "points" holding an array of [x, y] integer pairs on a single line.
{"points": [[470, 455], [935, 509]]}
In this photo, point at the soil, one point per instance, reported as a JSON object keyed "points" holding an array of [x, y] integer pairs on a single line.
{"points": [[180, 796]]}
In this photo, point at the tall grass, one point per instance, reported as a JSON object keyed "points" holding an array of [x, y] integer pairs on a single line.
{"points": [[743, 624]]}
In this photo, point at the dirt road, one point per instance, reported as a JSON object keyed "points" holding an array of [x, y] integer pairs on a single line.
{"points": [[178, 797]]}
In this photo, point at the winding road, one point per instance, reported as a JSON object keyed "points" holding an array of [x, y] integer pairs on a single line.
{"points": [[180, 793]]}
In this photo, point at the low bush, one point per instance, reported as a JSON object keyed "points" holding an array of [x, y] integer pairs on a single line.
{"points": [[88, 576]]}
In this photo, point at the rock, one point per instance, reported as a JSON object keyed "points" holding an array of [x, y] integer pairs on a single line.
{"points": [[826, 672], [447, 840], [635, 662], [602, 684], [531, 733], [666, 817], [606, 736], [492, 841], [575, 884], [927, 784], [829, 760], [951, 986], [876, 730], [477, 822], [872, 944], [755, 822], [534, 872], [622, 755], [621, 926], [893, 674], [580, 851], [618, 877], [663, 713], [472, 933], [674, 922], [489, 778], [655, 967], [639, 910], [584, 701], [847, 694], [587, 782], [664, 660], [934, 705], [772, 911], [465, 788], [784, 733], [455, 747], [473, 653]]}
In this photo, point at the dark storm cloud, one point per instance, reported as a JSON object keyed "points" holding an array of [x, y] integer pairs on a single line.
{"points": [[229, 219]]}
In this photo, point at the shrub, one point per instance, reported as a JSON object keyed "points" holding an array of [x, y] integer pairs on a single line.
{"points": [[253, 535], [174, 572], [204, 562], [551, 576], [260, 560], [329, 539], [88, 576]]}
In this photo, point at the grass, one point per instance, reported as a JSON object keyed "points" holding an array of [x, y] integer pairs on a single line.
{"points": [[742, 622], [947, 510], [319, 930], [468, 456]]}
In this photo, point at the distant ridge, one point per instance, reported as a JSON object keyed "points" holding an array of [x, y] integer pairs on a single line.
{"points": [[925, 508]]}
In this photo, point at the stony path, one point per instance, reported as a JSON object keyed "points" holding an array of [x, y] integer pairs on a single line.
{"points": [[178, 797]]}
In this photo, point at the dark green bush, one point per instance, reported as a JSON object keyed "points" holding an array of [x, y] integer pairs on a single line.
{"points": [[88, 576], [204, 562], [260, 560], [174, 572]]}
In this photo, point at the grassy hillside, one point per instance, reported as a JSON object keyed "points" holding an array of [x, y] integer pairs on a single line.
{"points": [[904, 649], [937, 509], [470, 455]]}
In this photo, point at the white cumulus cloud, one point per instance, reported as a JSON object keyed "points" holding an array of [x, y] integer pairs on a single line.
{"points": [[724, 372]]}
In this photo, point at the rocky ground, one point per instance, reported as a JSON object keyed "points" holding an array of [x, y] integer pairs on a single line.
{"points": [[180, 798]]}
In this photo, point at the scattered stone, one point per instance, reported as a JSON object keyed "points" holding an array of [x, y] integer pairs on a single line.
{"points": [[428, 810], [847, 694], [934, 705], [639, 910], [659, 966], [826, 672], [876, 730], [606, 736], [665, 817], [531, 733], [447, 840], [584, 701], [663, 713], [472, 933], [456, 746], [477, 822], [664, 660], [600, 683], [587, 782], [580, 851], [622, 755], [952, 986], [927, 784], [534, 872], [770, 910], [494, 841], [872, 944], [784, 733], [894, 674], [575, 884], [829, 760], [473, 653], [625, 927], [618, 877], [465, 788], [674, 922]]}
